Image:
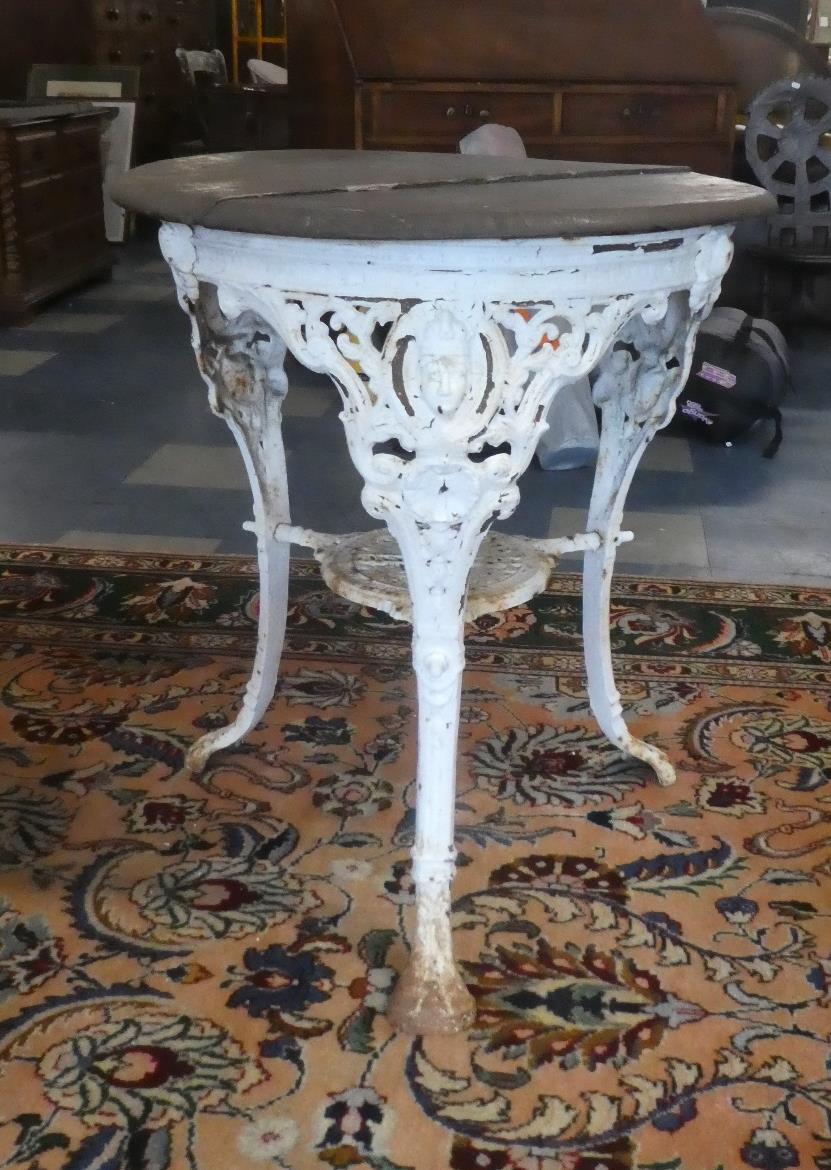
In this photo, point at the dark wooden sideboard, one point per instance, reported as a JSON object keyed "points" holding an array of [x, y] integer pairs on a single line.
{"points": [[51, 208], [237, 116], [642, 81]]}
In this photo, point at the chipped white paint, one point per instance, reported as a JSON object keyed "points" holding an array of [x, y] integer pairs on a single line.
{"points": [[447, 356]]}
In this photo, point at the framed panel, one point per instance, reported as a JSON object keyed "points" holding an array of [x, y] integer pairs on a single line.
{"points": [[120, 82]]}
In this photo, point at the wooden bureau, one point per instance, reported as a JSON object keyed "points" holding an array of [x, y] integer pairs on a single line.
{"points": [[637, 81], [51, 208]]}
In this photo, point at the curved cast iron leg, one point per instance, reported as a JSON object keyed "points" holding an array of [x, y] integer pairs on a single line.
{"points": [[242, 361], [616, 468], [638, 383], [268, 484]]}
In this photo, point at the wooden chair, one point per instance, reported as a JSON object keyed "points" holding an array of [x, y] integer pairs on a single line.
{"points": [[193, 62], [199, 70]]}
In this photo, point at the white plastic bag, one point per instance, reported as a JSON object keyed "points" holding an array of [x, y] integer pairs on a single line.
{"points": [[572, 437], [496, 141]]}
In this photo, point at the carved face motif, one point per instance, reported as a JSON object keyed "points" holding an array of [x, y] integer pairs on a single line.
{"points": [[443, 364]]}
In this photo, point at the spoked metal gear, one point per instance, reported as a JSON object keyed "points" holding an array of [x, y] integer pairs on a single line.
{"points": [[788, 145]]}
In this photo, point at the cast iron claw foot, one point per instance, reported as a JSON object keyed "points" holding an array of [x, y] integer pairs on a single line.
{"points": [[658, 761], [424, 1004], [199, 753]]}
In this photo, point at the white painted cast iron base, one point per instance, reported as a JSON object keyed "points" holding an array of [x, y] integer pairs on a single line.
{"points": [[447, 356]]}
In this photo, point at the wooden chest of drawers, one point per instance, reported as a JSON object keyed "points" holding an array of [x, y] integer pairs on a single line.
{"points": [[645, 124], [639, 81], [51, 210]]}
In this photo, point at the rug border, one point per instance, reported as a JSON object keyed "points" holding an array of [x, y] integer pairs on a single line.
{"points": [[242, 565]]}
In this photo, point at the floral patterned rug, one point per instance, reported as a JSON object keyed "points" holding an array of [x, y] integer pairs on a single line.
{"points": [[193, 972]]}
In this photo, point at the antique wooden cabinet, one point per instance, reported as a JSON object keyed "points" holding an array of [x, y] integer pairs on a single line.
{"points": [[51, 208], [641, 81], [147, 33]]}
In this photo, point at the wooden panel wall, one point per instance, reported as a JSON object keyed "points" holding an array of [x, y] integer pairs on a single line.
{"points": [[34, 31]]}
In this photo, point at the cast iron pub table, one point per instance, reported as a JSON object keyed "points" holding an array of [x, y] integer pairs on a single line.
{"points": [[449, 298]]}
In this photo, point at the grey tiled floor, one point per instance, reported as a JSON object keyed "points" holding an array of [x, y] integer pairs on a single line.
{"points": [[106, 441]]}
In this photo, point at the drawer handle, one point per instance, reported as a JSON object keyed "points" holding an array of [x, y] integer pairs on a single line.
{"points": [[450, 112], [484, 113], [642, 111]]}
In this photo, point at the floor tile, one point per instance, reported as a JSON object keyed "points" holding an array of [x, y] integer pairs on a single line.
{"points": [[764, 576], [667, 453], [682, 571], [160, 511], [73, 322], [665, 539], [56, 468], [310, 401], [746, 545], [16, 362], [136, 542], [189, 465], [128, 291], [154, 267]]}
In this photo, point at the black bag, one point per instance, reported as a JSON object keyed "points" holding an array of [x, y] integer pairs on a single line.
{"points": [[739, 376]]}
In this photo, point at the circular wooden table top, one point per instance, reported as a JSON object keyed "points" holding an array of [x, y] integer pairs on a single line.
{"points": [[379, 195]]}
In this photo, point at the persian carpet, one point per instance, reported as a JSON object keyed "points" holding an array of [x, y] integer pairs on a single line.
{"points": [[193, 971]]}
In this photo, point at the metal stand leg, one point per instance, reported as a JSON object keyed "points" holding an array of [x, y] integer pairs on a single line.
{"points": [[430, 996], [598, 565], [242, 361], [270, 509], [636, 389]]}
